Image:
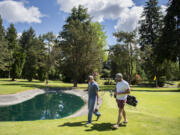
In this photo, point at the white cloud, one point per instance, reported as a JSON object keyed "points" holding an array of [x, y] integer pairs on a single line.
{"points": [[163, 9], [14, 11], [129, 20], [19, 35], [125, 12]]}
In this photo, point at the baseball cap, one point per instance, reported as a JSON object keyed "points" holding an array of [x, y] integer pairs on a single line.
{"points": [[118, 75]]}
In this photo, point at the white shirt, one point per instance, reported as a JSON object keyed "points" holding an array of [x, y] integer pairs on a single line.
{"points": [[122, 87]]}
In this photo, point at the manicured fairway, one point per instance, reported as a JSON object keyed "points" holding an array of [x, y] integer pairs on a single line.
{"points": [[158, 113]]}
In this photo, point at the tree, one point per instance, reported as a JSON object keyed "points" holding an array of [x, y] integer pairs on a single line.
{"points": [[128, 39], [30, 45], [49, 39], [17, 66], [41, 71], [150, 32], [3, 49], [82, 45], [170, 40], [16, 60]]}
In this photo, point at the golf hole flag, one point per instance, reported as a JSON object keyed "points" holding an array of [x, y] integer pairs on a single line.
{"points": [[154, 78]]}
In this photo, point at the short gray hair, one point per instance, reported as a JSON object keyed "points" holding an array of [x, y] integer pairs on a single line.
{"points": [[91, 77]]}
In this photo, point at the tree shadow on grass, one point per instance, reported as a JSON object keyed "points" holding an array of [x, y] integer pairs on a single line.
{"points": [[48, 87]]}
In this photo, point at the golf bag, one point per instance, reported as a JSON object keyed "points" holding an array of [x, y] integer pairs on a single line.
{"points": [[131, 100]]}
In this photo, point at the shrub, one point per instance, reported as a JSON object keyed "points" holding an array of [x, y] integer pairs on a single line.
{"points": [[161, 81], [136, 79], [178, 85]]}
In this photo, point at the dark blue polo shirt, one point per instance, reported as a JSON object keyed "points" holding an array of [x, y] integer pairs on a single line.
{"points": [[92, 88]]}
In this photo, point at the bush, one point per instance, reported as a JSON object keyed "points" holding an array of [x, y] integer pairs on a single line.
{"points": [[109, 83], [161, 81], [136, 79], [178, 85]]}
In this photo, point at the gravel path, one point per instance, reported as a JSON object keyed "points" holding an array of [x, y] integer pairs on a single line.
{"points": [[12, 99]]}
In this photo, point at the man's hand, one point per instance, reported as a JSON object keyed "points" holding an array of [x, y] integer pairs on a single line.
{"points": [[126, 92], [97, 102], [115, 94], [97, 97]]}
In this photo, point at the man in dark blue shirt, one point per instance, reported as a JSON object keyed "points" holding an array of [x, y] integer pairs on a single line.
{"points": [[93, 89]]}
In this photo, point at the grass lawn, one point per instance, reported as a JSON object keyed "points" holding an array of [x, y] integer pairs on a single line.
{"points": [[10, 87], [158, 113]]}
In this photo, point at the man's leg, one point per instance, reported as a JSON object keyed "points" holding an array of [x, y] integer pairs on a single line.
{"points": [[124, 116], [91, 103], [119, 115]]}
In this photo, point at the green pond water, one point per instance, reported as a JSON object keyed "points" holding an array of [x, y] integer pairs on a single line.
{"points": [[46, 106]]}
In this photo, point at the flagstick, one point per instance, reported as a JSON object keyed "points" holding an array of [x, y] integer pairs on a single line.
{"points": [[156, 83]]}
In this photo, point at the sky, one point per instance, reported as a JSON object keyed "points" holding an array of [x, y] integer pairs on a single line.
{"points": [[50, 15]]}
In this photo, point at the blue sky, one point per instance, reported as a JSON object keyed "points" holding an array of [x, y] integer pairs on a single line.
{"points": [[49, 15]]}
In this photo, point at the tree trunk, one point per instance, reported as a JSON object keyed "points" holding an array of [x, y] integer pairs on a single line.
{"points": [[9, 75], [75, 83], [13, 79], [179, 63], [47, 78]]}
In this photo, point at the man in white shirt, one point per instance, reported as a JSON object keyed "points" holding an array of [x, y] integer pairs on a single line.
{"points": [[121, 93]]}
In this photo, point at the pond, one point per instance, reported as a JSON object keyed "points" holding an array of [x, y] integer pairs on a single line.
{"points": [[46, 106]]}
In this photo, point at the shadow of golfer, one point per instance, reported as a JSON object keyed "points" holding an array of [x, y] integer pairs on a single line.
{"points": [[102, 127], [93, 127], [73, 124]]}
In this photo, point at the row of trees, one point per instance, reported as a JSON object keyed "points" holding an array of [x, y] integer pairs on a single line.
{"points": [[77, 52], [155, 51]]}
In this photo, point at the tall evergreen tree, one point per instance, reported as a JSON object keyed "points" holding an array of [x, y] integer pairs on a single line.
{"points": [[41, 71], [16, 62], [28, 42], [150, 31], [3, 48], [170, 40]]}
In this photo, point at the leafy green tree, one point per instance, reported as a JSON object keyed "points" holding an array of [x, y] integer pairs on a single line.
{"points": [[82, 46], [49, 39], [128, 39]]}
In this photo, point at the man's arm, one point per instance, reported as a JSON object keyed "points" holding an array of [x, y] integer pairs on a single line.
{"points": [[115, 92], [97, 94], [126, 92], [97, 97]]}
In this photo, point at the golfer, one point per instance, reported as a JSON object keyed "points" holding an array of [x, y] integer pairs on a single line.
{"points": [[121, 92], [93, 89]]}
